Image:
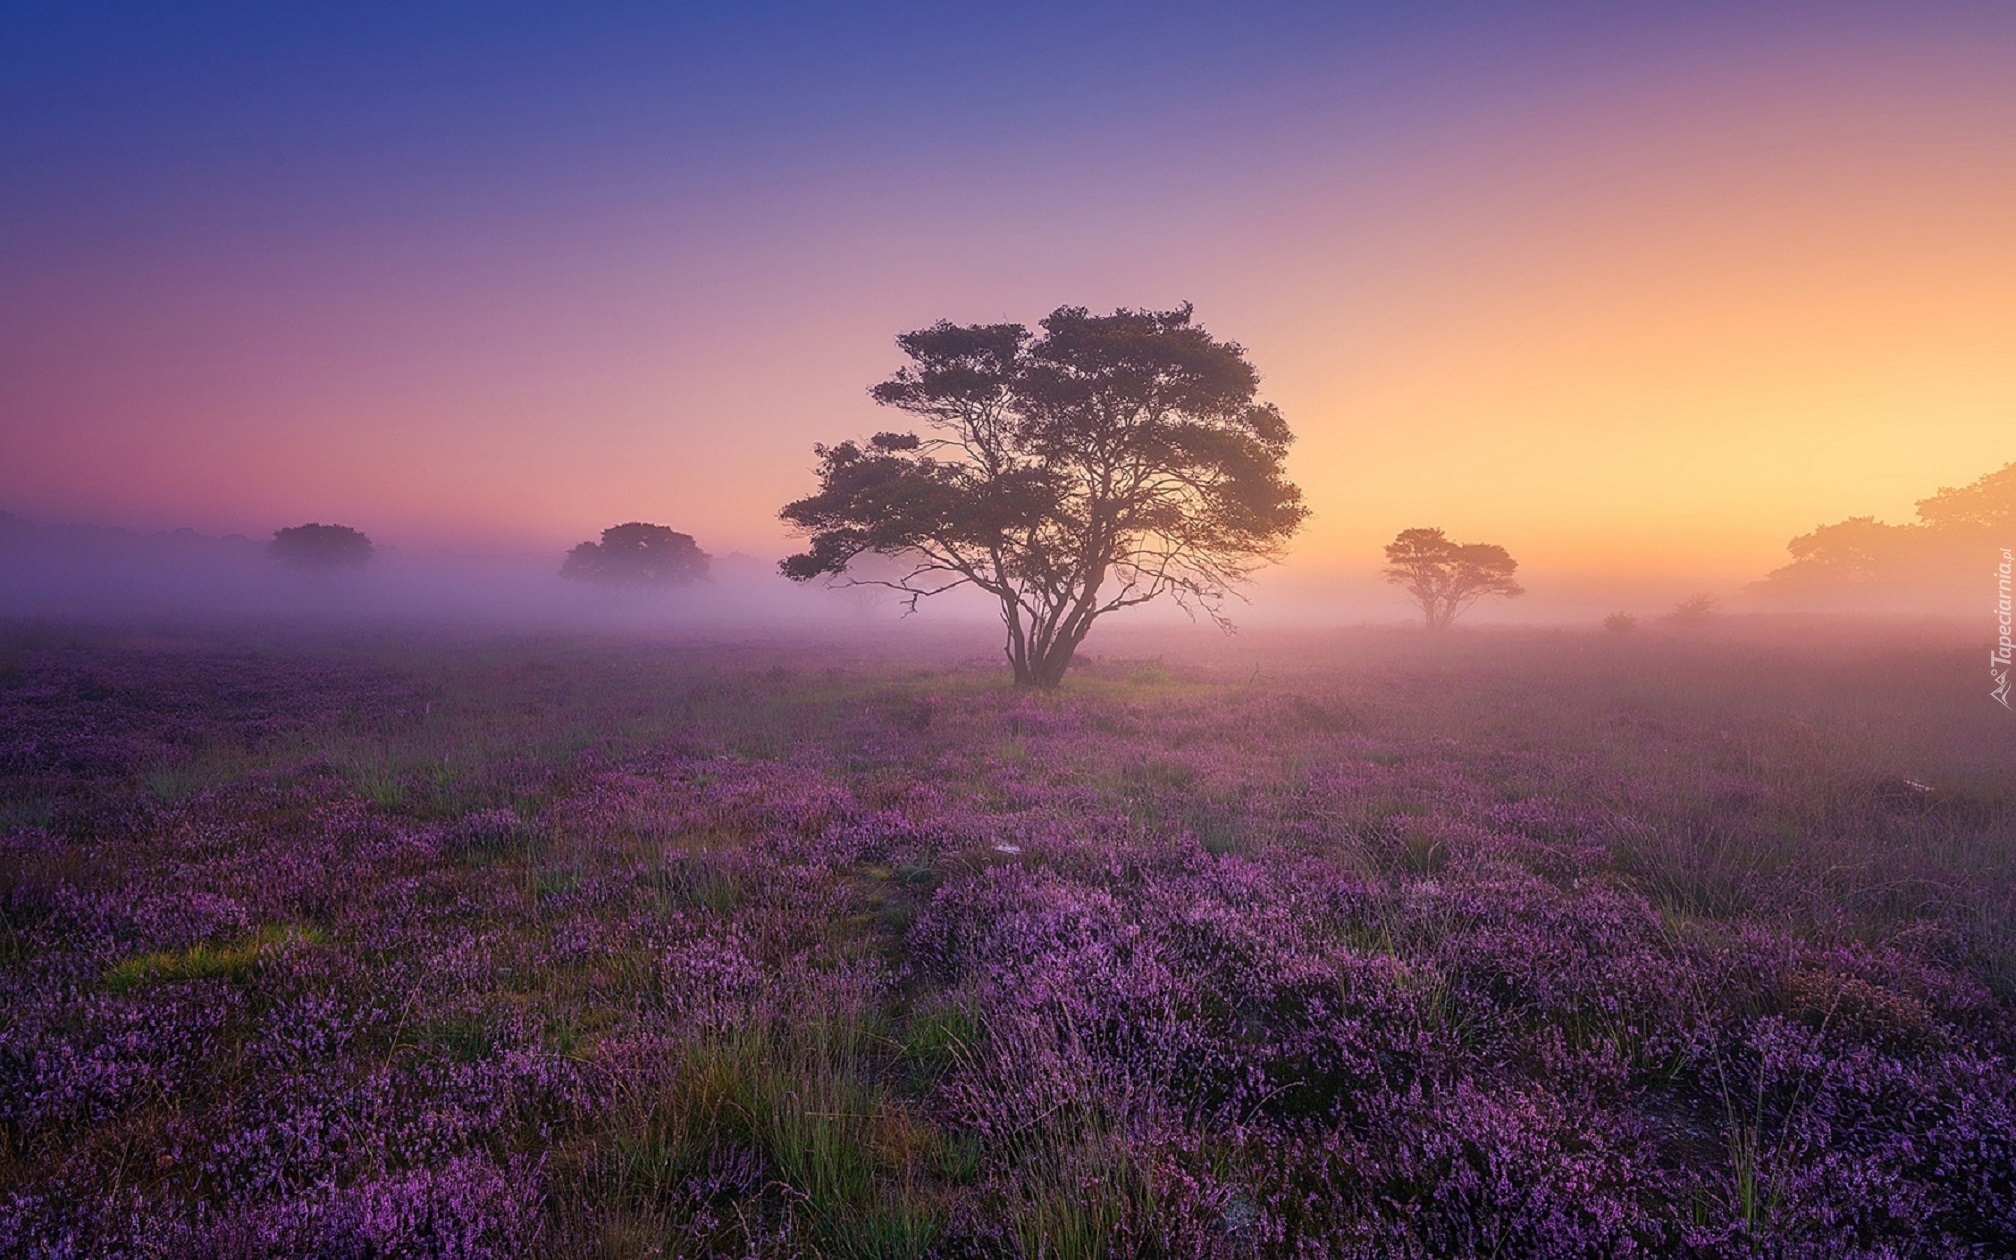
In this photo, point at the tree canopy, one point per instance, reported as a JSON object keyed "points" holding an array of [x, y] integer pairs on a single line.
{"points": [[1987, 502], [1445, 578], [316, 548], [637, 554], [1107, 461], [1941, 553]]}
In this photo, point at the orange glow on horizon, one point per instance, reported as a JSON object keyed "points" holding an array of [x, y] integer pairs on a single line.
{"points": [[1636, 327], [1647, 350]]}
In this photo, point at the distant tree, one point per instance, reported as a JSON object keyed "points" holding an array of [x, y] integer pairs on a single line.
{"points": [[1445, 578], [1987, 502], [1110, 461], [1854, 551], [637, 554], [316, 548], [1693, 610], [1938, 555], [1620, 623]]}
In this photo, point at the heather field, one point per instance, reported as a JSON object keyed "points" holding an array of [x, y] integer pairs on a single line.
{"points": [[1539, 943]]}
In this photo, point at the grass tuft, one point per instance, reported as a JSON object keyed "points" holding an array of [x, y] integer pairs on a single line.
{"points": [[204, 961]]}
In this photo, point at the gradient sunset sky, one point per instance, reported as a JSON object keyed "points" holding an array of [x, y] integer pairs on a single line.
{"points": [[1627, 288]]}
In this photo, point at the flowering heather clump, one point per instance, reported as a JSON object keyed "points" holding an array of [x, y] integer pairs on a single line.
{"points": [[594, 952]]}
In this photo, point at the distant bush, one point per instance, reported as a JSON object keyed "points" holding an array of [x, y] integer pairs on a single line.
{"points": [[1620, 623], [320, 548], [637, 554], [1693, 610]]}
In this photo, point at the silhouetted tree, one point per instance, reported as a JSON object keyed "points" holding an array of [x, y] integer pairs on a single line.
{"points": [[1693, 610], [1856, 550], [1942, 552], [638, 554], [1620, 623], [1112, 460], [316, 548], [1987, 502], [1444, 578]]}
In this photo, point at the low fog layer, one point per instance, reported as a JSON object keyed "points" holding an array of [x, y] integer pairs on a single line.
{"points": [[94, 572]]}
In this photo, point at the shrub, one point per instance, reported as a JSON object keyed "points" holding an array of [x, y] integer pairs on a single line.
{"points": [[1693, 610]]}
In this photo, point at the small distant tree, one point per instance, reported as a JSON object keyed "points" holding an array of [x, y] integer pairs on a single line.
{"points": [[1445, 578], [1693, 610], [1620, 623], [637, 554], [314, 548]]}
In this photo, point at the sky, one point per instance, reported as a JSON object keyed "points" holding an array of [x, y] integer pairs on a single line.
{"points": [[1634, 290]]}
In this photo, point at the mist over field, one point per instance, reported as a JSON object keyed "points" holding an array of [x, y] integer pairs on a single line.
{"points": [[106, 573], [885, 631]]}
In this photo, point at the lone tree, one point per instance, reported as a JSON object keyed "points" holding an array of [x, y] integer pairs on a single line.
{"points": [[637, 554], [1444, 578], [316, 548], [1108, 461]]}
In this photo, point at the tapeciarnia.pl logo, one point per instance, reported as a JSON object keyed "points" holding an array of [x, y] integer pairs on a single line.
{"points": [[1998, 657]]}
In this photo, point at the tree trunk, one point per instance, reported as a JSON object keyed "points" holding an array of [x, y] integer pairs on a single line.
{"points": [[1018, 644], [1041, 652], [1055, 662], [1048, 668], [1042, 664]]}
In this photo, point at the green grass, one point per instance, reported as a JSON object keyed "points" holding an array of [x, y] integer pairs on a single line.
{"points": [[464, 1038], [204, 961], [173, 778], [1081, 1202], [703, 879], [934, 1042], [25, 812]]}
